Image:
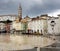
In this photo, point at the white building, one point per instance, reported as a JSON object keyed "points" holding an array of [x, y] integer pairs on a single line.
{"points": [[4, 18], [7, 17], [17, 26], [56, 25], [38, 24]]}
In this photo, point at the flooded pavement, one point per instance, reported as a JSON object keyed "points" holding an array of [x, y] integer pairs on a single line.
{"points": [[22, 42]]}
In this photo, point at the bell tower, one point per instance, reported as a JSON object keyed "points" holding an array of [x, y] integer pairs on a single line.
{"points": [[20, 12]]}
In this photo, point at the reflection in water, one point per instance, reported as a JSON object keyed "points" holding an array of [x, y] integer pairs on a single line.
{"points": [[5, 38], [31, 40], [23, 41]]}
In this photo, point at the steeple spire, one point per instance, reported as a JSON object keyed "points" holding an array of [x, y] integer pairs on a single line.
{"points": [[20, 12]]}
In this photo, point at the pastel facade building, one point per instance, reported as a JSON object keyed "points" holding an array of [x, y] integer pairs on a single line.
{"points": [[38, 24], [4, 19], [41, 24], [17, 24]]}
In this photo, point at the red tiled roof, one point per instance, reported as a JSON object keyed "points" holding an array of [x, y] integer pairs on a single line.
{"points": [[38, 18]]}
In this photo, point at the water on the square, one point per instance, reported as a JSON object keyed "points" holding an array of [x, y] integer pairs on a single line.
{"points": [[20, 42]]}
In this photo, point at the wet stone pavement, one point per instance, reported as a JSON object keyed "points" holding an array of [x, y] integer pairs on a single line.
{"points": [[23, 42]]}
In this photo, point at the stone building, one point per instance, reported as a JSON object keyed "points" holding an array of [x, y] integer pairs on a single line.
{"points": [[53, 29], [41, 24], [38, 23], [17, 24], [7, 17], [4, 19], [20, 12]]}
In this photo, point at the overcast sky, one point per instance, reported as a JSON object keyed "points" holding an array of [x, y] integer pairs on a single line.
{"points": [[30, 7]]}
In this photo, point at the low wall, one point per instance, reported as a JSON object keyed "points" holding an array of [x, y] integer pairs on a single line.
{"points": [[53, 47], [50, 49], [34, 49]]}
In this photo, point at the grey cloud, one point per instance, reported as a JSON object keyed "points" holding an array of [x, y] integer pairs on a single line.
{"points": [[30, 7], [47, 7]]}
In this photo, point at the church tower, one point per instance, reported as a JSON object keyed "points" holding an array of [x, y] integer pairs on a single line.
{"points": [[20, 12]]}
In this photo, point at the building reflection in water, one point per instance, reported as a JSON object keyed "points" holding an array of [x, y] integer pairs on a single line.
{"points": [[31, 40], [23, 41], [5, 38]]}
